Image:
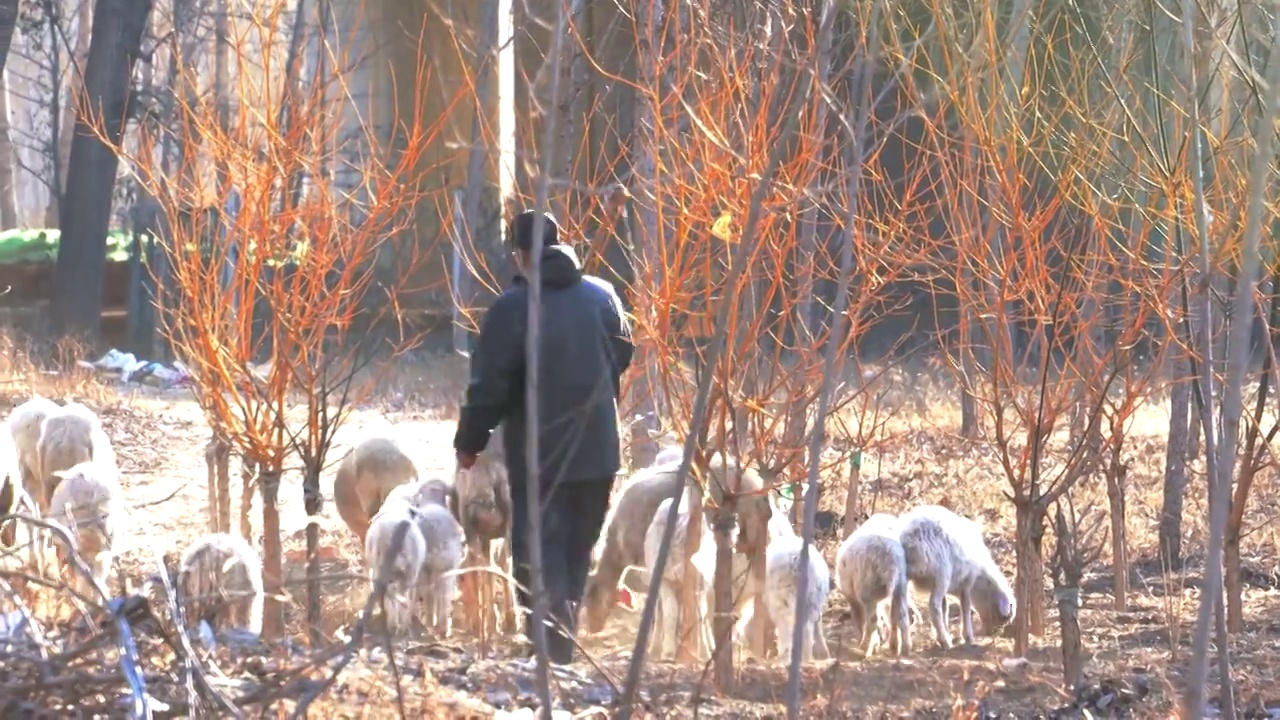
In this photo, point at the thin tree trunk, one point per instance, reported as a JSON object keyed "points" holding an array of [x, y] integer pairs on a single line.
{"points": [[1116, 472], [8, 158], [313, 503], [82, 251], [1029, 583], [1175, 463], [272, 554], [75, 88]]}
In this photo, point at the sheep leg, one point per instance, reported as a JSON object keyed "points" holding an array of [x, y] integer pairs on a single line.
{"points": [[966, 616], [670, 630], [900, 624], [820, 649], [782, 626], [442, 597], [938, 616], [508, 589], [867, 621], [706, 639]]}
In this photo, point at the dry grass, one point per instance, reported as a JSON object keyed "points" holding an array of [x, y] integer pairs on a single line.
{"points": [[159, 436]]}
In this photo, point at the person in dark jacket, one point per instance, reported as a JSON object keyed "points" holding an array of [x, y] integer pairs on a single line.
{"points": [[585, 347]]}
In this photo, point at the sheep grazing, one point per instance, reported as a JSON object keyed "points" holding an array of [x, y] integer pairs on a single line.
{"points": [[15, 500], [406, 567], [946, 555], [622, 542], [87, 503], [783, 595], [669, 589], [445, 543], [871, 567], [483, 508], [372, 469], [24, 428], [220, 582], [69, 436]]}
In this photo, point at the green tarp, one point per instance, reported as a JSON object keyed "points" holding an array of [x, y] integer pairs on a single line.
{"points": [[32, 245]]}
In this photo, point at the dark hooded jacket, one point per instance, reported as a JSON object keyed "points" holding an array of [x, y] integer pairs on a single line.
{"points": [[585, 347]]}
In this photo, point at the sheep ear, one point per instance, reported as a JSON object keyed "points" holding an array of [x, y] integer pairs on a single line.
{"points": [[60, 474]]}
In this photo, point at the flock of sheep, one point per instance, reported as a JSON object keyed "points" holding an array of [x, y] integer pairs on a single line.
{"points": [[58, 464], [929, 547]]}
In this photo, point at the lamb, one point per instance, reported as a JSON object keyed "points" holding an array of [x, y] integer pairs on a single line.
{"points": [[946, 555], [71, 435], [406, 567], [871, 567], [782, 592], [220, 582], [87, 502], [24, 428], [445, 544], [669, 589], [365, 476]]}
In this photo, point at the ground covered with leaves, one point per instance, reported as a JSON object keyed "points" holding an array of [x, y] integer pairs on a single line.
{"points": [[1136, 656]]}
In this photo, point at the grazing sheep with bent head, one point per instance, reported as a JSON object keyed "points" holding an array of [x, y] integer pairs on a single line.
{"points": [[373, 468], [87, 502], [220, 582], [871, 567], [445, 547], [69, 436], [622, 542], [783, 594], [406, 566], [484, 509], [947, 555]]}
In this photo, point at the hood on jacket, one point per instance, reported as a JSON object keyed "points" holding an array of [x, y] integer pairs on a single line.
{"points": [[560, 268]]}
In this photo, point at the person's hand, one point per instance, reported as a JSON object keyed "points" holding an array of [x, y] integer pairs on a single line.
{"points": [[465, 460]]}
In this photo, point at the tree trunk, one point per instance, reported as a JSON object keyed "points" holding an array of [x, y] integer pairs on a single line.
{"points": [[8, 22], [248, 472], [78, 272], [853, 498], [723, 525], [1029, 583], [1175, 465], [272, 553], [8, 160], [313, 501], [1116, 471], [67, 125]]}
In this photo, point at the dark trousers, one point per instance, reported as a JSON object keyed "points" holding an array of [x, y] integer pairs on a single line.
{"points": [[572, 516]]}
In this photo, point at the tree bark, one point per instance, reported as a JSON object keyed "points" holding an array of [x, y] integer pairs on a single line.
{"points": [[272, 554], [1175, 465], [8, 161], [314, 504], [78, 273], [1116, 471], [66, 127], [1029, 584]]}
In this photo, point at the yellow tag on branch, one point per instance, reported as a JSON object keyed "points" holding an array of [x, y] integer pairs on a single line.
{"points": [[723, 228]]}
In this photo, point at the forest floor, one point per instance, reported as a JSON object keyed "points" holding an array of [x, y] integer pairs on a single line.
{"points": [[1136, 656]]}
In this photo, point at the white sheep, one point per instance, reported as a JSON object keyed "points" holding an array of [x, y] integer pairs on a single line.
{"points": [[87, 502], [670, 455], [220, 582], [24, 427], [483, 506], [666, 632], [947, 555], [871, 567], [783, 595], [622, 541], [445, 547], [14, 500], [71, 435], [373, 468], [406, 567]]}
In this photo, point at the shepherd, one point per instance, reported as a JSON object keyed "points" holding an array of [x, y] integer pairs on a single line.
{"points": [[585, 346]]}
